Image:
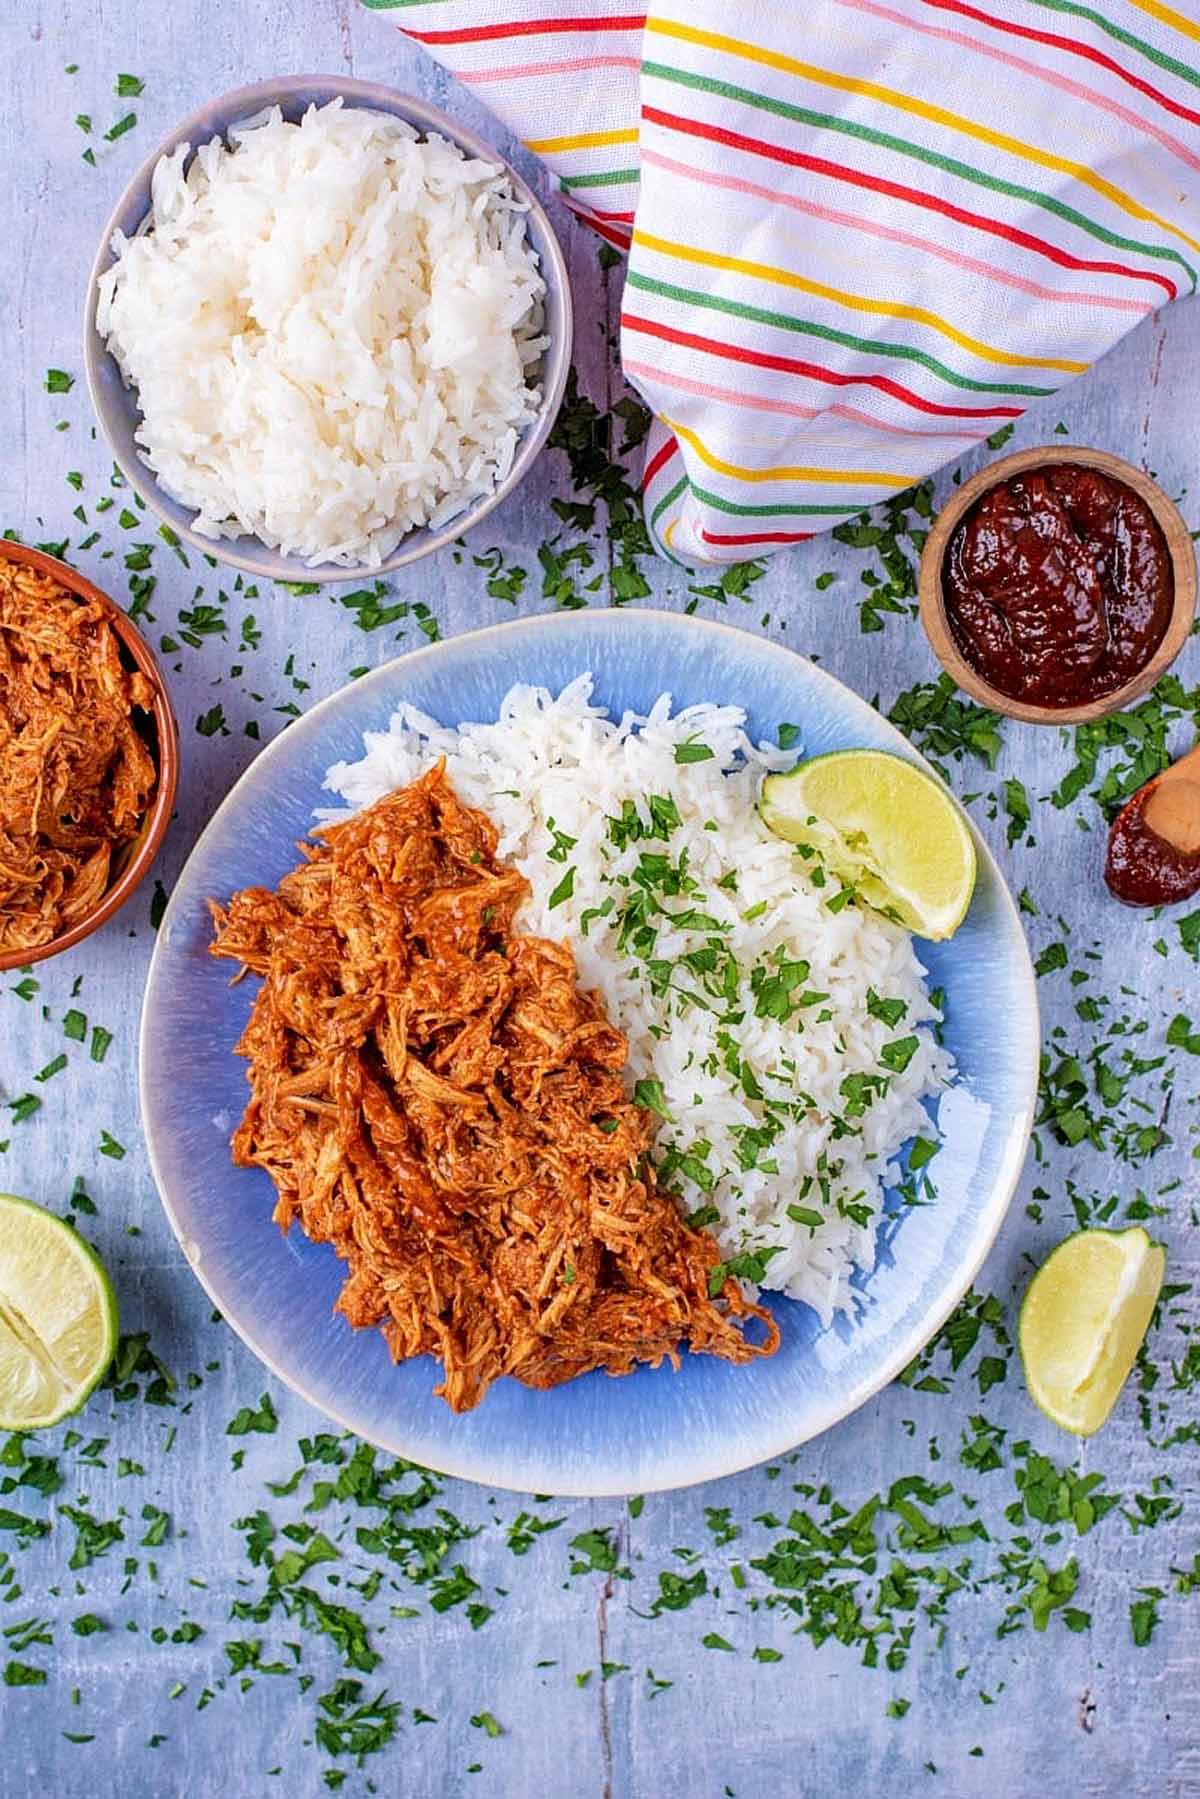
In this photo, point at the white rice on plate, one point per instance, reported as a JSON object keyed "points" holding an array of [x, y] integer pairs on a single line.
{"points": [[333, 328], [757, 1003]]}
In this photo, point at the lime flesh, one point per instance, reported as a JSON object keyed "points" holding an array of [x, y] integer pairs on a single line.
{"points": [[58, 1317], [1083, 1320], [885, 828]]}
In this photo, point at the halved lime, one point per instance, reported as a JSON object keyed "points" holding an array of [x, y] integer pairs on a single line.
{"points": [[58, 1317], [884, 827], [1083, 1320]]}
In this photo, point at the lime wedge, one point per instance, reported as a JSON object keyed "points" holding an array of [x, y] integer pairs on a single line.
{"points": [[58, 1317], [884, 827], [1083, 1320]]}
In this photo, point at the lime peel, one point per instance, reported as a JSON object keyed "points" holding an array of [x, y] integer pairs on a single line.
{"points": [[884, 827], [58, 1317], [1083, 1319]]}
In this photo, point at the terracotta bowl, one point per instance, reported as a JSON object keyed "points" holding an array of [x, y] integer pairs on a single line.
{"points": [[932, 597], [132, 862]]}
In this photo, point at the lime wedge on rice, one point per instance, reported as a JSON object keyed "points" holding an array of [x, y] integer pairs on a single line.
{"points": [[885, 828], [1083, 1320], [58, 1317]]}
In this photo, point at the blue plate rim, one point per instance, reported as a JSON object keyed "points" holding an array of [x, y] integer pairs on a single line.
{"points": [[466, 1466]]}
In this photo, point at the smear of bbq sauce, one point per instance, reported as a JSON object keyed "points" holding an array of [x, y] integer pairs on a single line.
{"points": [[1141, 867]]}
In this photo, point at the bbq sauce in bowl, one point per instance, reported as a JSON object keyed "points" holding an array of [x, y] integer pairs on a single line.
{"points": [[1058, 585]]}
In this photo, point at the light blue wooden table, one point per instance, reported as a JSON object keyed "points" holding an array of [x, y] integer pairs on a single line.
{"points": [[562, 1666]]}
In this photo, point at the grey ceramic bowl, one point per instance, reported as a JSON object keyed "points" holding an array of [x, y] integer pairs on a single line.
{"points": [[116, 405]]}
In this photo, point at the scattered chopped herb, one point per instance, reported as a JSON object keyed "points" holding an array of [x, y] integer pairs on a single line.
{"points": [[261, 1419], [212, 721], [22, 1674]]}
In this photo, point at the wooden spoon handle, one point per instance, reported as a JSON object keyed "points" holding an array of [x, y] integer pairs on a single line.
{"points": [[1172, 809], [1187, 767]]}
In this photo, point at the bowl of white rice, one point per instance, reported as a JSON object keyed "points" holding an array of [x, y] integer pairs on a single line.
{"points": [[328, 329]]}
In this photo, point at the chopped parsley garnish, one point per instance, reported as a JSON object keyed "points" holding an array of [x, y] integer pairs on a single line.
{"points": [[1181, 1035], [212, 721], [563, 890], [1143, 1615], [888, 1011], [649, 1093], [939, 721], [249, 1418], [344, 1555], [897, 1054], [23, 1674], [750, 1265]]}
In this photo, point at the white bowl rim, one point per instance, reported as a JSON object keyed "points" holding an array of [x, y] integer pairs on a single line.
{"points": [[1003, 1190], [198, 128]]}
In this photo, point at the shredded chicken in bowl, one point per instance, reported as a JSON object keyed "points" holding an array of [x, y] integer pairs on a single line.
{"points": [[75, 774], [432, 1094]]}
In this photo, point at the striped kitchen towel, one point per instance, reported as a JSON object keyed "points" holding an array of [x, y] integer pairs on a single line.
{"points": [[862, 234]]}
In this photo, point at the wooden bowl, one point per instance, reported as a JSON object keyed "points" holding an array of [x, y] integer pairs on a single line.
{"points": [[133, 861], [933, 601]]}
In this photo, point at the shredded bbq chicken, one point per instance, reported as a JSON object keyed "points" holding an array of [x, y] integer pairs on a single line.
{"points": [[432, 1094], [75, 776]]}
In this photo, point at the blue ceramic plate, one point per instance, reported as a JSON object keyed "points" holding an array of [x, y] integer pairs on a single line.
{"points": [[596, 1435]]}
